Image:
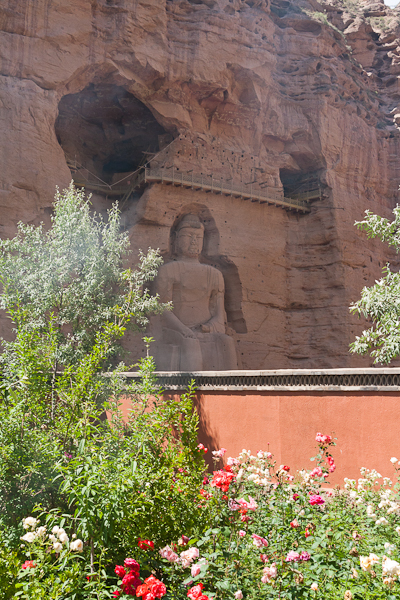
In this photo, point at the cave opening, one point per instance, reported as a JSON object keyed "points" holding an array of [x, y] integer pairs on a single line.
{"points": [[107, 131], [299, 183]]}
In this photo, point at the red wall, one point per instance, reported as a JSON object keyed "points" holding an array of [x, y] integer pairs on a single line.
{"points": [[367, 425]]}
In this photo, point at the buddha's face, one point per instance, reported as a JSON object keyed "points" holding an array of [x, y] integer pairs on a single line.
{"points": [[189, 241]]}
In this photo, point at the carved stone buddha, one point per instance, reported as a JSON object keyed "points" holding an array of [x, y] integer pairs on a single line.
{"points": [[192, 336]]}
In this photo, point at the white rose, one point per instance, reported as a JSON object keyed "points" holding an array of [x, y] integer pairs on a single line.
{"points": [[314, 586], [77, 545], [41, 531], [29, 537], [30, 522], [390, 567], [63, 538], [393, 460], [55, 529], [57, 546]]}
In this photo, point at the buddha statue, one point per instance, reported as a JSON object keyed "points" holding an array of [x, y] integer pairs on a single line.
{"points": [[192, 336]]}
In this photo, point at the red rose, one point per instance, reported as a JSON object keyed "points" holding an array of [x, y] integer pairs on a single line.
{"points": [[146, 544], [132, 564], [141, 590], [152, 588], [116, 593], [286, 468], [158, 589], [222, 480], [120, 571], [195, 591], [28, 564], [130, 583], [295, 497]]}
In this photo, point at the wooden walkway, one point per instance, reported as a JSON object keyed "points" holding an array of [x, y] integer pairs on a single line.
{"points": [[199, 182]]}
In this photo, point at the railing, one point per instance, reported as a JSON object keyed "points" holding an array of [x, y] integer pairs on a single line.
{"points": [[208, 183], [84, 178]]}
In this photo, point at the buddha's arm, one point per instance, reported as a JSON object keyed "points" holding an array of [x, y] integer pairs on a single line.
{"points": [[172, 322], [217, 322]]}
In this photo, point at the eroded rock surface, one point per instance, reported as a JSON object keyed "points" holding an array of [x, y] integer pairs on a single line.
{"points": [[280, 95]]}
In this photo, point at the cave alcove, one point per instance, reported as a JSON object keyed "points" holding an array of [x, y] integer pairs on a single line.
{"points": [[296, 183], [106, 130]]}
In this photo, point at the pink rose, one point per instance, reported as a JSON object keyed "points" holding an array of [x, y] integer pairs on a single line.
{"points": [[239, 595], [317, 472], [202, 447], [292, 556], [219, 453], [232, 505], [305, 556], [195, 570], [269, 573], [316, 499], [331, 463], [259, 541], [188, 556], [323, 439], [169, 554], [250, 505], [242, 533]]}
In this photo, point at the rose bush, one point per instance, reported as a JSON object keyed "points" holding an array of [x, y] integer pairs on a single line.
{"points": [[282, 535], [274, 534]]}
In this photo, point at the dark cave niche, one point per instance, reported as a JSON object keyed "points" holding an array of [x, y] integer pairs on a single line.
{"points": [[297, 183], [108, 131]]}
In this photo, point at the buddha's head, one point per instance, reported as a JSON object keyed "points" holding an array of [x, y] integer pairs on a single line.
{"points": [[189, 237]]}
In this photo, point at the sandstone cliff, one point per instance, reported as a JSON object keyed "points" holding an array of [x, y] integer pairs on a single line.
{"points": [[284, 94]]}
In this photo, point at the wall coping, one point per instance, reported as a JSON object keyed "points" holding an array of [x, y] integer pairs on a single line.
{"points": [[386, 379]]}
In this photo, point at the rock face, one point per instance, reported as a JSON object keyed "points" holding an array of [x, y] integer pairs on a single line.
{"points": [[288, 96]]}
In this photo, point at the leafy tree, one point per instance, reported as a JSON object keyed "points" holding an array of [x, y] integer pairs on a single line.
{"points": [[70, 300], [381, 302], [67, 453]]}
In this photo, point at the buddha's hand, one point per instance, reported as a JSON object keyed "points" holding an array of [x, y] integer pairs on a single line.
{"points": [[188, 333]]}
